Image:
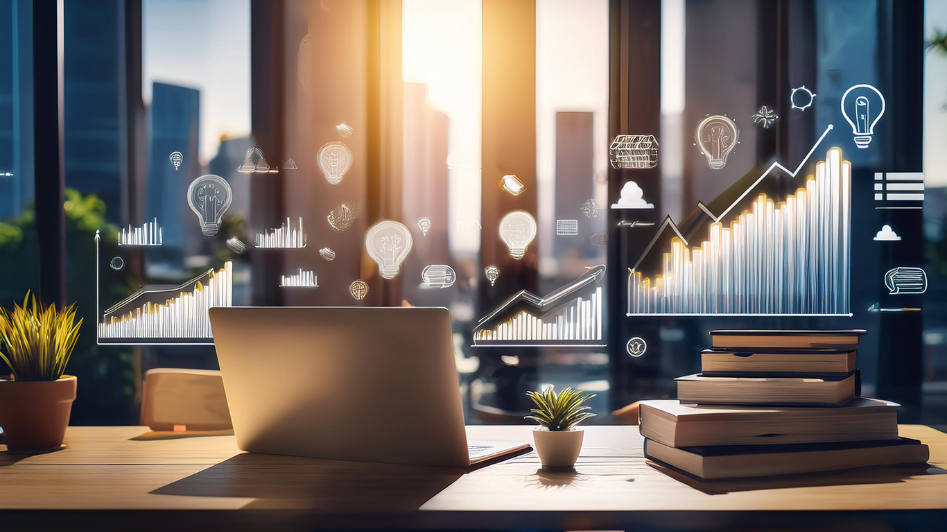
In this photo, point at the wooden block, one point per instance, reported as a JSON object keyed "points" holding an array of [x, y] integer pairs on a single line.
{"points": [[190, 398]]}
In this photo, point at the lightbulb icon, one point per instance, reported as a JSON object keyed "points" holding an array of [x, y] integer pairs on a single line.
{"points": [[492, 273], [388, 244], [716, 136], [209, 196], [334, 159], [856, 102], [424, 224], [176, 159], [517, 230]]}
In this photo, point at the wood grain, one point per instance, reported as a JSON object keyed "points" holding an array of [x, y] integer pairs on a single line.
{"points": [[109, 476]]}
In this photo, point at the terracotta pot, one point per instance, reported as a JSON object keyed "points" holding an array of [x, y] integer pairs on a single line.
{"points": [[34, 414], [558, 448]]}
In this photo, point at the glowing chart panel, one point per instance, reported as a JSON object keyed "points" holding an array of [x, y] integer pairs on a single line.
{"points": [[571, 316], [785, 258], [161, 314]]}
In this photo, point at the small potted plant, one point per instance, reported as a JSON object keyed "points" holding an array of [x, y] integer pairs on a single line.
{"points": [[36, 342], [557, 439]]}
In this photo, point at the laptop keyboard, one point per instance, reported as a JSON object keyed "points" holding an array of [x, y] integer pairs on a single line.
{"points": [[474, 450]]}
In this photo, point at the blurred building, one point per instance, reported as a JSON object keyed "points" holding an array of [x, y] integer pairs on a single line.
{"points": [[16, 108], [574, 185], [93, 106], [230, 155], [175, 115]]}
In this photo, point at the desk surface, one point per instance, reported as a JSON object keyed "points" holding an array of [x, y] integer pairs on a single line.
{"points": [[106, 476]]}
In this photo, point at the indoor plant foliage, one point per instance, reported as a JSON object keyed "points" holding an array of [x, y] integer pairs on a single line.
{"points": [[558, 441], [36, 342]]}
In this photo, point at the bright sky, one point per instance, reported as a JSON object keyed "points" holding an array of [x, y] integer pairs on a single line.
{"points": [[203, 45], [442, 48]]}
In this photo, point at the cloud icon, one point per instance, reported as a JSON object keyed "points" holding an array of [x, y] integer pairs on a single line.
{"points": [[632, 197], [887, 234]]}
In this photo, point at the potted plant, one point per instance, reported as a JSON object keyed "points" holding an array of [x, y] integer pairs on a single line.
{"points": [[557, 440], [36, 342]]}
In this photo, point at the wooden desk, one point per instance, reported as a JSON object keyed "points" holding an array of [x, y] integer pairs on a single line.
{"points": [[107, 479]]}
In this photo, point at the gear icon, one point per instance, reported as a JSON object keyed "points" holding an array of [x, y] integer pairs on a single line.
{"points": [[805, 97]]}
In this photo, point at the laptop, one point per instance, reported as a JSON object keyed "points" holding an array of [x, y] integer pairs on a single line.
{"points": [[346, 383]]}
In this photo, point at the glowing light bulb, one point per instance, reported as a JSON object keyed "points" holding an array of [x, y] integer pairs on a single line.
{"points": [[176, 159], [334, 159], [857, 102], [492, 273], [716, 136], [209, 196], [517, 230], [388, 244], [424, 224]]}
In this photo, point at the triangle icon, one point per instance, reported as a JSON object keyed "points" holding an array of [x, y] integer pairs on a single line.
{"points": [[290, 164]]}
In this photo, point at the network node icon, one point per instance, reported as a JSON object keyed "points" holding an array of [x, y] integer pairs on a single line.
{"points": [[801, 98]]}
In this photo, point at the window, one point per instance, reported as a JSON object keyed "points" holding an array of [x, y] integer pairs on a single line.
{"points": [[481, 130]]}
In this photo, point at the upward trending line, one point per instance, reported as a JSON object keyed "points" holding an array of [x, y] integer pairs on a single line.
{"points": [[766, 173]]}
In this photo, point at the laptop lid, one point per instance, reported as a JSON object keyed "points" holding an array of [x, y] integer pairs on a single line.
{"points": [[342, 383]]}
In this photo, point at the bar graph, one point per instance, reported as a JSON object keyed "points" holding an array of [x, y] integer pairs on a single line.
{"points": [[570, 316], [283, 237], [172, 315], [776, 258], [149, 234], [301, 279]]}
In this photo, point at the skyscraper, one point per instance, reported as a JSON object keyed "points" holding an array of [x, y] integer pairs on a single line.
{"points": [[175, 115]]}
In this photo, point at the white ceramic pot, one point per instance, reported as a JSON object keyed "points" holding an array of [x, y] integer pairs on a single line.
{"points": [[558, 448]]}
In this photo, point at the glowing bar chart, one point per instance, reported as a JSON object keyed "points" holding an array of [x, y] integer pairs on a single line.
{"points": [[174, 313], [577, 320], [791, 257], [149, 234], [301, 279], [569, 316], [283, 237]]}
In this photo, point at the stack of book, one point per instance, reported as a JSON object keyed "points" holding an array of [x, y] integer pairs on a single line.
{"points": [[775, 403]]}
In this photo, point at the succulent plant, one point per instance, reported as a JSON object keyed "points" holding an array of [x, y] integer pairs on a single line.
{"points": [[562, 411], [36, 341]]}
